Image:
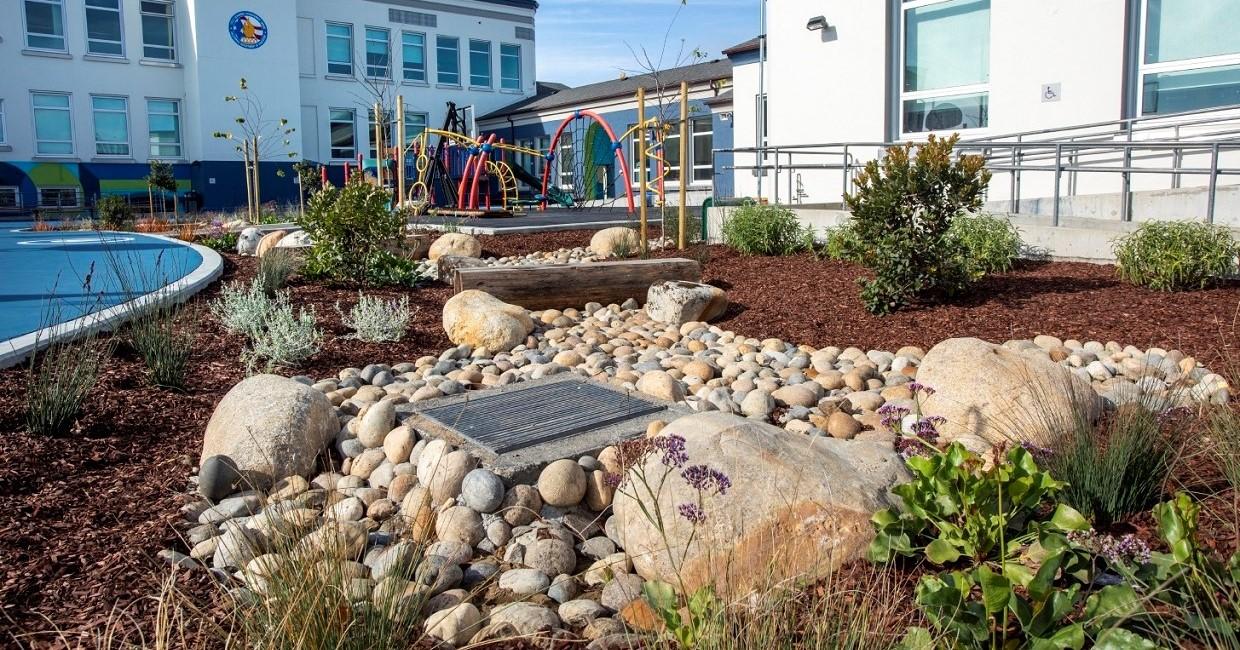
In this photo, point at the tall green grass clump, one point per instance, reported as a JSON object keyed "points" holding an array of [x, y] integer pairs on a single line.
{"points": [[276, 268], [59, 380], [164, 338], [1115, 470], [1176, 255], [755, 229], [985, 243]]}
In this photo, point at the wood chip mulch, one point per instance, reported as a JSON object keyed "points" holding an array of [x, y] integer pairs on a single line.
{"points": [[82, 517]]}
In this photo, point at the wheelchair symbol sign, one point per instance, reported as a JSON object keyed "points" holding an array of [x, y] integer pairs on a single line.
{"points": [[1050, 92]]}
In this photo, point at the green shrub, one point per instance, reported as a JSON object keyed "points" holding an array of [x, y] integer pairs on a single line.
{"points": [[164, 338], [276, 268], [286, 339], [244, 309], [1176, 255], [754, 229], [114, 212], [903, 210], [376, 320], [1117, 470], [843, 243], [985, 243], [352, 228], [225, 242], [58, 381]]}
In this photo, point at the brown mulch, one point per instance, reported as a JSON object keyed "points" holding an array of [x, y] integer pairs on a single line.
{"points": [[82, 517]]}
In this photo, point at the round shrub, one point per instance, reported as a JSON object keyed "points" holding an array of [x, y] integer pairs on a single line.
{"points": [[1176, 255], [114, 212], [754, 229]]}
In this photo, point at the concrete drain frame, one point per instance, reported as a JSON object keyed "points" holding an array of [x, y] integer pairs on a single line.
{"points": [[516, 430]]}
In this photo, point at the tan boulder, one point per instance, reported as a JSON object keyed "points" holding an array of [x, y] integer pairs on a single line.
{"points": [[456, 244], [990, 394], [268, 242], [478, 319], [799, 507], [610, 242], [679, 302]]}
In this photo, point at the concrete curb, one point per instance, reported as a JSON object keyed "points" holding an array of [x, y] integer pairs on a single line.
{"points": [[18, 349]]}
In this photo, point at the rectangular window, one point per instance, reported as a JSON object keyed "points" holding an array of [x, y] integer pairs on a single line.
{"points": [[164, 125], [10, 198], [946, 72], [339, 49], [670, 153], [415, 124], [53, 124], [158, 30], [111, 115], [413, 56], [103, 27], [1191, 55], [378, 53], [58, 197], [45, 24], [509, 66], [703, 129], [480, 64], [343, 136], [448, 59], [567, 162]]}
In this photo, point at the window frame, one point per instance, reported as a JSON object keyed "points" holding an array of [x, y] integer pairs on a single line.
{"points": [[327, 50], [17, 196], [34, 118], [520, 62], [387, 46], [171, 17], [694, 164], [490, 71], [77, 196], [180, 142], [1182, 65], [124, 112], [903, 96], [426, 124], [120, 20], [64, 28], [331, 148], [439, 60], [404, 63]]}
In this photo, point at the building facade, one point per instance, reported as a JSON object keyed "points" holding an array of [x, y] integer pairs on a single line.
{"points": [[92, 90], [898, 70]]}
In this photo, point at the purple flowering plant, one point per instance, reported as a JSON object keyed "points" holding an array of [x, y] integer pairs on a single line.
{"points": [[917, 434]]}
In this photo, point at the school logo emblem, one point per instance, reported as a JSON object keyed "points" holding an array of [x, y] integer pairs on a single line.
{"points": [[248, 30]]}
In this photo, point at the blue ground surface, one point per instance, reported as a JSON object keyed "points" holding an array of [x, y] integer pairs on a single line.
{"points": [[59, 276]]}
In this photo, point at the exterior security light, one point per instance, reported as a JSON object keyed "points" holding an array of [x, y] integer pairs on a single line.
{"points": [[817, 23]]}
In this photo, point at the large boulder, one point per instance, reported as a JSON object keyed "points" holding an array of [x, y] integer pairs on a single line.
{"points": [[455, 243], [269, 241], [295, 239], [679, 302], [247, 241], [266, 428], [611, 242], [798, 507], [480, 320], [990, 394]]}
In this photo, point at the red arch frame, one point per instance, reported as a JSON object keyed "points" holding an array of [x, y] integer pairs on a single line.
{"points": [[619, 151]]}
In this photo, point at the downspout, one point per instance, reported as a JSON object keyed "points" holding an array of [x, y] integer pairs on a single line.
{"points": [[760, 128]]}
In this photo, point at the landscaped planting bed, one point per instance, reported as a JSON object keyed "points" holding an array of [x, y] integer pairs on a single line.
{"points": [[82, 517]]}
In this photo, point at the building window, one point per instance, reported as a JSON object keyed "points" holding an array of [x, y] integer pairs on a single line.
{"points": [[946, 73], [10, 198], [378, 53], [111, 115], [509, 66], [343, 133], [448, 59], [480, 64], [164, 125], [1191, 55], [158, 30], [415, 124], [45, 24], [566, 162], [103, 27], [53, 124], [339, 49], [701, 156], [703, 129], [59, 197], [413, 55]]}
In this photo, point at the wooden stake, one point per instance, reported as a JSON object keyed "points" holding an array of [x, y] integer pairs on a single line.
{"points": [[249, 190], [378, 146], [641, 164], [258, 193], [686, 170]]}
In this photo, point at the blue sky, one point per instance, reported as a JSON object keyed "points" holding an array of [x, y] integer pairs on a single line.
{"points": [[584, 41]]}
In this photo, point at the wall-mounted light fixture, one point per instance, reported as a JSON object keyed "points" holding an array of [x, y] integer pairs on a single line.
{"points": [[817, 23]]}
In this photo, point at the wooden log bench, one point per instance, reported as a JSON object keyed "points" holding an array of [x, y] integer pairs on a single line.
{"points": [[559, 286]]}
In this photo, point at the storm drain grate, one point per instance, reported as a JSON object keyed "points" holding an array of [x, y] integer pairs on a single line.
{"points": [[524, 417]]}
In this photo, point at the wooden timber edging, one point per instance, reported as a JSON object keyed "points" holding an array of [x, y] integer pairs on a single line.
{"points": [[559, 286]]}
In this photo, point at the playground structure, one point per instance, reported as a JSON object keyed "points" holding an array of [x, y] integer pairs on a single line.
{"points": [[449, 171]]}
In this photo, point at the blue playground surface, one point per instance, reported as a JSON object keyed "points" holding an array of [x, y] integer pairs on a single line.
{"points": [[63, 275]]}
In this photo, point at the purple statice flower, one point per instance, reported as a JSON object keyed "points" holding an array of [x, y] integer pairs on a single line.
{"points": [[892, 415], [909, 446], [1040, 454], [613, 480], [1127, 549], [692, 513], [673, 449], [927, 428], [706, 479], [918, 387]]}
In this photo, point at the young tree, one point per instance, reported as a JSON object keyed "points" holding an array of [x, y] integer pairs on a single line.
{"points": [[258, 138], [309, 181], [162, 178]]}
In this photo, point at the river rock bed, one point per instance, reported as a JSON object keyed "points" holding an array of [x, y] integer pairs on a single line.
{"points": [[504, 560]]}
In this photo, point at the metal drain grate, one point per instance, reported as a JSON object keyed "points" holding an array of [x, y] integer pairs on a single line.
{"points": [[524, 417]]}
